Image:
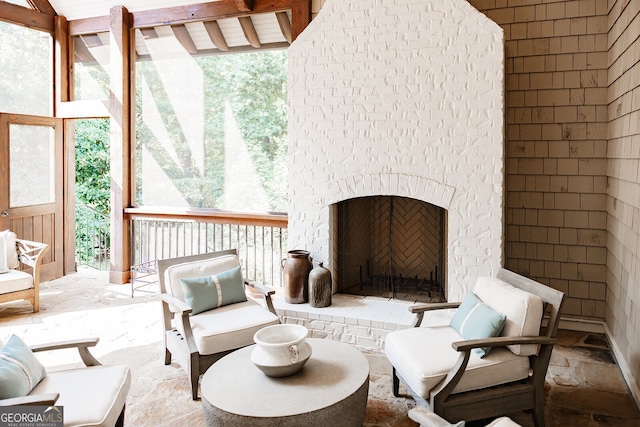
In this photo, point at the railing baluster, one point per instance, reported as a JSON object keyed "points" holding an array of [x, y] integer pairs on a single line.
{"points": [[155, 239]]}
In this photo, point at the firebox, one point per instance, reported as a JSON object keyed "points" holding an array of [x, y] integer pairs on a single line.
{"points": [[391, 247]]}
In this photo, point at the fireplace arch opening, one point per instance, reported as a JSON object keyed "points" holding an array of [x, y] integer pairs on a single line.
{"points": [[391, 247]]}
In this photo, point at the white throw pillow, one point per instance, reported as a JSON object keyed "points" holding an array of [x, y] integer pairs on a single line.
{"points": [[4, 268], [10, 254]]}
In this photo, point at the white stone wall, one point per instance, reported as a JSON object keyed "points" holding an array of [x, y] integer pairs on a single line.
{"points": [[400, 97]]}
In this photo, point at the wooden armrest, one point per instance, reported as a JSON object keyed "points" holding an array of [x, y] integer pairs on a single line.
{"points": [[89, 342], [31, 253], [264, 289], [177, 305], [47, 399], [421, 308], [468, 345], [81, 344]]}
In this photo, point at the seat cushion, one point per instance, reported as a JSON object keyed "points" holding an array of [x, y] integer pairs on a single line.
{"points": [[423, 357], [15, 280], [91, 396], [229, 327], [203, 268], [523, 310]]}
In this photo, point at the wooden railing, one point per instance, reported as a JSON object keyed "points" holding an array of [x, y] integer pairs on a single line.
{"points": [[260, 239]]}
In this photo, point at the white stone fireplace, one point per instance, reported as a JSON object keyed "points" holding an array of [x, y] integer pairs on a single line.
{"points": [[401, 98]]}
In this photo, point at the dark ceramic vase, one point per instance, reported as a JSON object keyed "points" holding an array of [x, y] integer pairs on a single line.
{"points": [[296, 267]]}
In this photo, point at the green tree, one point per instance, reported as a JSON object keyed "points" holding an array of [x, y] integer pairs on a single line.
{"points": [[92, 164]]}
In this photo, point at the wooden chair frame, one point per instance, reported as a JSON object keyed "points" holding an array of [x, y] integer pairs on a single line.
{"points": [[523, 395], [183, 348], [31, 254]]}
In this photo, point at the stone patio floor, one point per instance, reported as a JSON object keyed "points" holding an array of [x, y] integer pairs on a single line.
{"points": [[584, 384]]}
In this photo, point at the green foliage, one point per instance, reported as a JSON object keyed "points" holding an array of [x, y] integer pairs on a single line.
{"points": [[92, 192], [253, 85], [92, 164]]}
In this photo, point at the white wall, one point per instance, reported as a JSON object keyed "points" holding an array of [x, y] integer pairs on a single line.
{"points": [[404, 98]]}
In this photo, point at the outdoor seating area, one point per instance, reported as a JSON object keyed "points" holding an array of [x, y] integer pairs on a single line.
{"points": [[320, 213], [584, 384]]}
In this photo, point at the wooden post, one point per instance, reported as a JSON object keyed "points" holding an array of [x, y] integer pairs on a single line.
{"points": [[120, 140]]}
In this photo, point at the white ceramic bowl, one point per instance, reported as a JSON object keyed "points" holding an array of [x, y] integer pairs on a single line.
{"points": [[281, 350]]}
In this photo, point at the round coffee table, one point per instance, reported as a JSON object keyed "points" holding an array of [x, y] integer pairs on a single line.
{"points": [[331, 389]]}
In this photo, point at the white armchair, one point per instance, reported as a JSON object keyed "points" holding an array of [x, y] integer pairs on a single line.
{"points": [[449, 369], [94, 395], [204, 322], [20, 284]]}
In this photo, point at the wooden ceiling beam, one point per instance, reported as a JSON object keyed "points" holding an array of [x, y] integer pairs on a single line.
{"points": [[216, 36], [149, 33], [183, 36], [249, 31], [205, 12], [42, 6], [285, 25], [91, 40], [300, 17], [82, 52], [20, 15], [244, 5]]}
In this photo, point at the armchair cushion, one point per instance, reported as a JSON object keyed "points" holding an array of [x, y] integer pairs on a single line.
{"points": [[20, 370], [91, 396], [10, 252], [424, 356], [474, 319], [523, 310], [214, 291], [203, 268], [229, 327]]}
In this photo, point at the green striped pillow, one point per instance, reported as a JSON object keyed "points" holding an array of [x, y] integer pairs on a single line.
{"points": [[476, 320], [210, 292]]}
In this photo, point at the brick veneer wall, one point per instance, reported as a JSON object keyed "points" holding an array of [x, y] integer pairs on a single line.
{"points": [[623, 203], [401, 98]]}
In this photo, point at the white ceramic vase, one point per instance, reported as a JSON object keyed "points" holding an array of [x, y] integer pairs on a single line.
{"points": [[281, 350]]}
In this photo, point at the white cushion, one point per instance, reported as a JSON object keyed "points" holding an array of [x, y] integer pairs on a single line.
{"points": [[15, 280], [193, 269], [423, 357], [503, 422], [229, 327], [10, 251], [91, 396], [523, 310]]}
